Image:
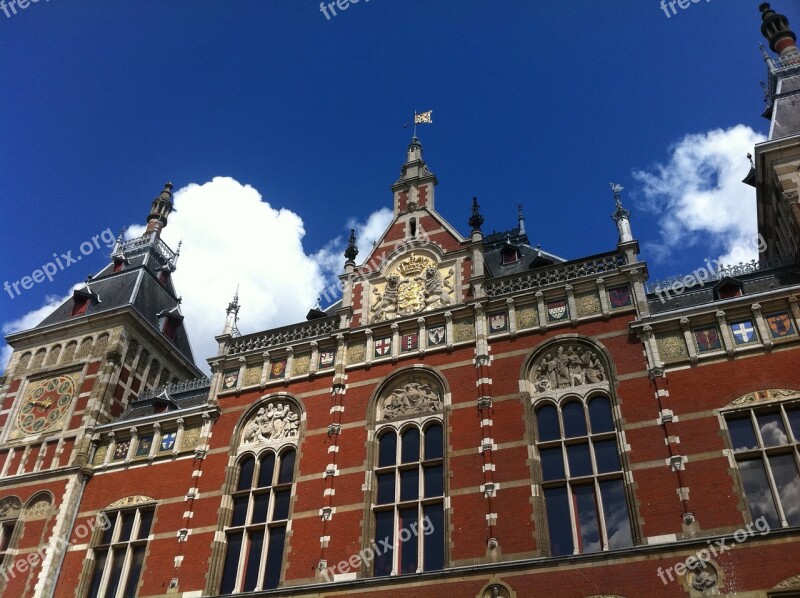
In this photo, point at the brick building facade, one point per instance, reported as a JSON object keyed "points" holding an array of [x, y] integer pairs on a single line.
{"points": [[475, 416]]}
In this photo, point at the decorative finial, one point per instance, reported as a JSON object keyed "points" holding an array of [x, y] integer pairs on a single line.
{"points": [[520, 219], [750, 157], [476, 220], [233, 316], [233, 306], [352, 251], [620, 212]]}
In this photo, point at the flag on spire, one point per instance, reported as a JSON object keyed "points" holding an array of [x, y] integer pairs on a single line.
{"points": [[424, 118]]}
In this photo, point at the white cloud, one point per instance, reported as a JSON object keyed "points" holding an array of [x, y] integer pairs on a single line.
{"points": [[701, 197], [233, 237], [331, 256]]}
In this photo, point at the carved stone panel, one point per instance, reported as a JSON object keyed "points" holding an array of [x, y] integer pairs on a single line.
{"points": [[10, 507], [567, 366], [527, 317], [276, 422], [411, 398], [671, 346], [764, 396], [415, 285], [587, 304], [356, 353]]}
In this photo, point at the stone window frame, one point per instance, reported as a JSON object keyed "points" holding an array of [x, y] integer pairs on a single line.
{"points": [[246, 527], [534, 398], [11, 525], [751, 406], [237, 451], [116, 514], [377, 427]]}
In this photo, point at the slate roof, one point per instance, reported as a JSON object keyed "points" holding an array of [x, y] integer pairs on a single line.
{"points": [[137, 286], [182, 395]]}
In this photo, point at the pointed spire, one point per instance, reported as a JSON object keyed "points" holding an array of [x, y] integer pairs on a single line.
{"points": [[352, 251], [621, 216], [233, 316], [476, 220], [775, 28], [160, 210], [174, 263], [520, 219]]}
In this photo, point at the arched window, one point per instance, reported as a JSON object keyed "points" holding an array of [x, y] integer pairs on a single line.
{"points": [[582, 476], [9, 516], [119, 549], [260, 515], [408, 505]]}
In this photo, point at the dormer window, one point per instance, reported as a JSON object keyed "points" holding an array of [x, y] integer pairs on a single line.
{"points": [[168, 323], [163, 276], [118, 264], [509, 255], [79, 305], [81, 299], [727, 288]]}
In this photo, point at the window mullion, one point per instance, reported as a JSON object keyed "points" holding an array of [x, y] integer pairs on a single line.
{"points": [[601, 515], [776, 497]]}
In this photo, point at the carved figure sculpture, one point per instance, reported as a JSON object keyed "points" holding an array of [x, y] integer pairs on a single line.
{"points": [[275, 422], [570, 366], [410, 399]]}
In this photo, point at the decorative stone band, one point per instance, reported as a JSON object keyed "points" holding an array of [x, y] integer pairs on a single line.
{"points": [[555, 274], [281, 336]]}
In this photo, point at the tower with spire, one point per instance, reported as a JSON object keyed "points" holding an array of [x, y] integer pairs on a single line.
{"points": [[776, 161]]}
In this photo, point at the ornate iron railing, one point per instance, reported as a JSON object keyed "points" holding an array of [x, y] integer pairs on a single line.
{"points": [[177, 387], [722, 271], [280, 336], [555, 274]]}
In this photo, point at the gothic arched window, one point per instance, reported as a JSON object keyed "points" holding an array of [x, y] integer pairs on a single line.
{"points": [[582, 467], [257, 532], [408, 505], [260, 498], [10, 509], [119, 549], [582, 476]]}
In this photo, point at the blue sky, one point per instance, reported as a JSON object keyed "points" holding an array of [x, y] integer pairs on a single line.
{"points": [[298, 119]]}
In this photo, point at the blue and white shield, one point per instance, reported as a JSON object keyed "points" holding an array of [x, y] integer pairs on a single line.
{"points": [[743, 332], [168, 441]]}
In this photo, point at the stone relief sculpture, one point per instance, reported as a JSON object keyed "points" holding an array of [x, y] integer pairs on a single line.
{"points": [[276, 421], [415, 285], [10, 507], [568, 366], [410, 399]]}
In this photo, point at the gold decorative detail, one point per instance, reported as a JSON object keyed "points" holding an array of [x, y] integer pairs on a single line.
{"points": [[464, 330], [252, 375], [356, 353], [45, 405], [129, 501], [414, 285], [100, 454], [191, 438], [587, 304], [301, 364], [671, 346], [413, 265], [792, 582], [527, 317], [764, 396]]}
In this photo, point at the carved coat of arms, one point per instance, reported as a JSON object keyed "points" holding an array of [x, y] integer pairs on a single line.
{"points": [[415, 285]]}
